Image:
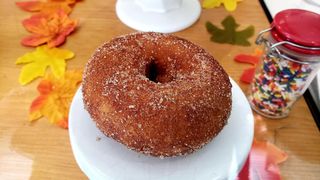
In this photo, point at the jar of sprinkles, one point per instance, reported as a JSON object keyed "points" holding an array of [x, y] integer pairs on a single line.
{"points": [[290, 61]]}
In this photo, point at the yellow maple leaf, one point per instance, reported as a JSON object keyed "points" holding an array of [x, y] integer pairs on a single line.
{"points": [[230, 5], [36, 63], [55, 97]]}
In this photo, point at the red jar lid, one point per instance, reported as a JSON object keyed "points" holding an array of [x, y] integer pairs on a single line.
{"points": [[297, 26]]}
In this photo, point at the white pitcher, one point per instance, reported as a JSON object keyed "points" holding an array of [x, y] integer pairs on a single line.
{"points": [[160, 6]]}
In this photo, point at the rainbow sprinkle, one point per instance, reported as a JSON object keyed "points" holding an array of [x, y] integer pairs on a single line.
{"points": [[277, 86]]}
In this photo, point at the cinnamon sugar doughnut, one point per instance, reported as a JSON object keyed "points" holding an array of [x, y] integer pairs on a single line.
{"points": [[156, 93]]}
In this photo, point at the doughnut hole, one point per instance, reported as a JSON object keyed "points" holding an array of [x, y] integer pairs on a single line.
{"points": [[157, 72]]}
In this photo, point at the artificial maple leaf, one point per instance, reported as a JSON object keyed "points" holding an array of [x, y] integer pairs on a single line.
{"points": [[48, 28], [248, 74], [71, 2], [46, 7], [229, 34], [230, 5], [262, 162], [245, 58], [55, 97], [38, 61]]}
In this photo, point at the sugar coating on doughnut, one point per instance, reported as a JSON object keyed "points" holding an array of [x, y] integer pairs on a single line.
{"points": [[156, 93]]}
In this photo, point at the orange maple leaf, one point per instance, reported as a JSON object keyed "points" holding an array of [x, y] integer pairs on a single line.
{"points": [[55, 98], [264, 157], [253, 59], [263, 161], [67, 1], [46, 7], [48, 28]]}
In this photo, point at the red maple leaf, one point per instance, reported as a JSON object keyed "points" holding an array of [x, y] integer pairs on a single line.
{"points": [[48, 28]]}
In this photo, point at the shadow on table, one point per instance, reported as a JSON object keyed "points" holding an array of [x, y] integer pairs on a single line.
{"points": [[50, 150]]}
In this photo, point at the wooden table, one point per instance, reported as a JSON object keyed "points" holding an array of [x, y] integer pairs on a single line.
{"points": [[42, 151]]}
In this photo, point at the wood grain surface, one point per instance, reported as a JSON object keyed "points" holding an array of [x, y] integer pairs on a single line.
{"points": [[42, 151]]}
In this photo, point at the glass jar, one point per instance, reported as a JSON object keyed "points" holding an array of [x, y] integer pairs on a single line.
{"points": [[290, 61]]}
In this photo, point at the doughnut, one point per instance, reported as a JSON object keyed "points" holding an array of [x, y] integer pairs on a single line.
{"points": [[156, 93]]}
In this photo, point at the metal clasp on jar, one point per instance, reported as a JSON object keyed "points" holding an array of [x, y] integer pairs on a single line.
{"points": [[272, 49]]}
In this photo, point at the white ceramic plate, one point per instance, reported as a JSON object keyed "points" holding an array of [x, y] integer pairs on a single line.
{"points": [[107, 159]]}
